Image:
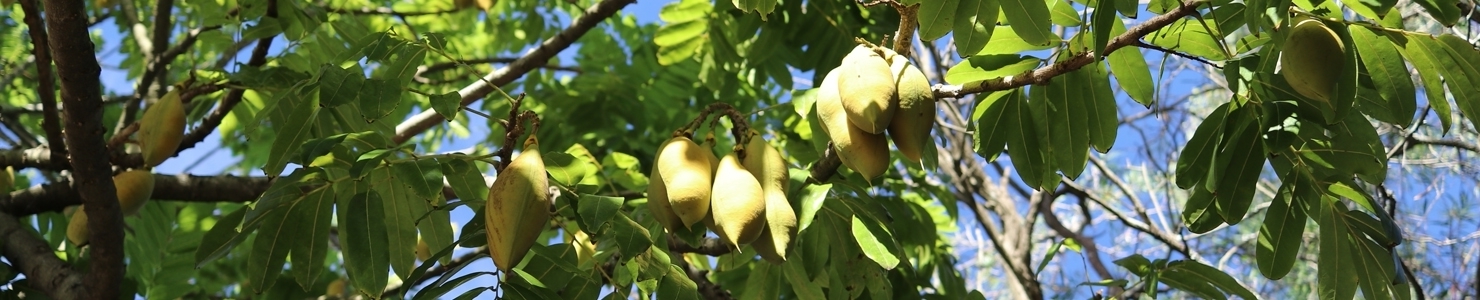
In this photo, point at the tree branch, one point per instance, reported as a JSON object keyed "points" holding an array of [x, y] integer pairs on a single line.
{"points": [[707, 289], [72, 49], [707, 246], [1091, 251], [182, 187], [46, 87], [29, 254], [422, 71], [1041, 75], [534, 58]]}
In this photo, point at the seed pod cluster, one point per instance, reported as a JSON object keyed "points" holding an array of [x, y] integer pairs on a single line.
{"points": [[518, 207], [876, 90], [745, 198]]}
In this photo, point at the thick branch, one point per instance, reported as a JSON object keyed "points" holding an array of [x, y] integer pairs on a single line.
{"points": [[1041, 75], [29, 254], [189, 188], [46, 87], [72, 49], [536, 57]]}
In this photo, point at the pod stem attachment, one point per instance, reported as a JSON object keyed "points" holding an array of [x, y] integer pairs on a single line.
{"points": [[514, 129], [739, 127]]}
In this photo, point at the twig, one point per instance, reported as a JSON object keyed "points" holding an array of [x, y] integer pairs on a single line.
{"points": [[707, 289], [51, 121], [534, 58], [1143, 44], [1041, 75]]}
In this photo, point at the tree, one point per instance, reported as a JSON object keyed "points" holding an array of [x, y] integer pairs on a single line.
{"points": [[1261, 148]]}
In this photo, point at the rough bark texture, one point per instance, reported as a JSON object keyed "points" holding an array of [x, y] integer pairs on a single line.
{"points": [[72, 49]]}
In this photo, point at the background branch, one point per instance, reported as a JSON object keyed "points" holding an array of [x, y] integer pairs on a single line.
{"points": [[45, 86], [54, 197], [534, 58]]}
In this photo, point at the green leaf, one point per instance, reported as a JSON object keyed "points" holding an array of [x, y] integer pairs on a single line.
{"points": [[1467, 61], [1371, 227], [1062, 13], [871, 239], [1104, 23], [446, 104], [1197, 154], [292, 133], [677, 285], [1130, 69], [1099, 100], [801, 284], [378, 99], [1428, 67], [1280, 237], [221, 238], [401, 210], [1239, 164], [1048, 257], [1192, 37], [314, 212], [937, 17], [993, 127], [630, 236], [1068, 121], [1346, 85], [763, 7], [1445, 11], [565, 168], [1374, 267], [423, 176], [270, 249], [465, 180], [1005, 40], [974, 24], [1024, 144], [988, 67], [1201, 272], [1030, 19], [1201, 216], [436, 227], [764, 283], [596, 210], [363, 239], [625, 170], [1335, 276], [812, 197], [339, 86]]}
